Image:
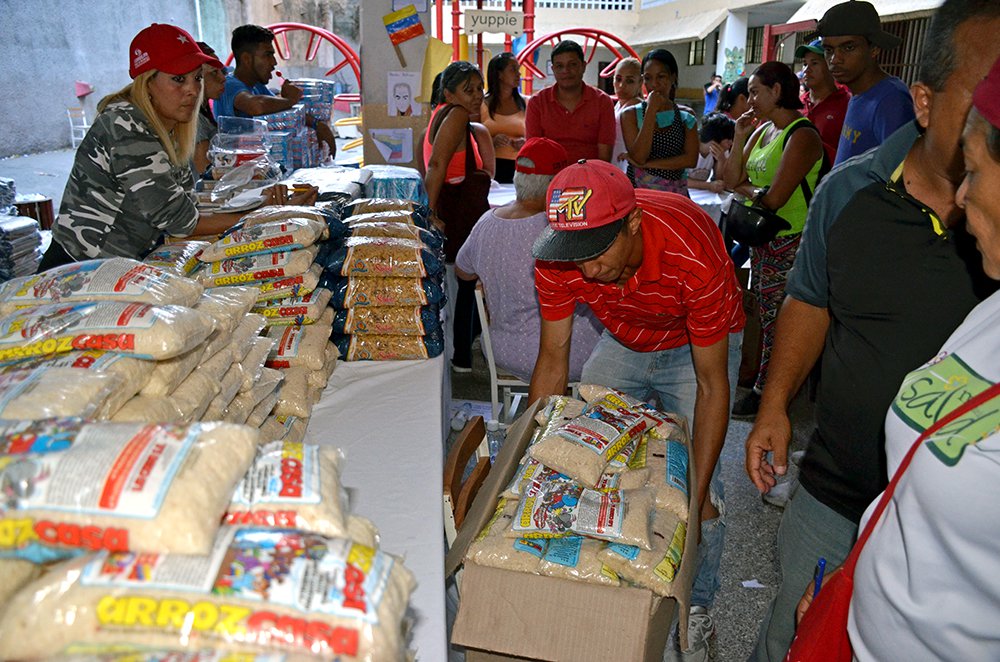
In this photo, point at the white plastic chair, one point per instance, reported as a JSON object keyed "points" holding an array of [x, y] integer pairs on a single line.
{"points": [[78, 125], [511, 400]]}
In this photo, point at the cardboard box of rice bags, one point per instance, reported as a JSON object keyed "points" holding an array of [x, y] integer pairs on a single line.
{"points": [[509, 615]]}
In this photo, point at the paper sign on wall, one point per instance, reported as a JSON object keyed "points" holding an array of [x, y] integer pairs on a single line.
{"points": [[485, 20], [403, 90], [395, 145]]}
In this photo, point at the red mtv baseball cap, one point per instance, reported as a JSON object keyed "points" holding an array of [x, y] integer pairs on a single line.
{"points": [[588, 204], [986, 98], [545, 156], [166, 48]]}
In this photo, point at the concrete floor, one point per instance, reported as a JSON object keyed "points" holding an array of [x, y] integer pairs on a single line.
{"points": [[749, 554]]}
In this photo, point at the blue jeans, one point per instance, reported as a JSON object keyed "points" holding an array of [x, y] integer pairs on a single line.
{"points": [[808, 530], [669, 375]]}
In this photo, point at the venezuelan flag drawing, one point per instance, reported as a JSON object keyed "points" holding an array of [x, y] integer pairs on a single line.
{"points": [[402, 25]]}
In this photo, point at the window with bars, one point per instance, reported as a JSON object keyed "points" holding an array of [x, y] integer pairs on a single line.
{"points": [[606, 5], [696, 52], [755, 44]]}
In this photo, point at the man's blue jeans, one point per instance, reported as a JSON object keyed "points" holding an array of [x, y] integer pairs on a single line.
{"points": [[669, 375]]}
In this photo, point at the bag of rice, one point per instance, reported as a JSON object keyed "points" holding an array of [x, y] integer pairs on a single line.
{"points": [[180, 258], [300, 345], [375, 347], [492, 549], [668, 465], [253, 362], [380, 257], [282, 428], [272, 213], [295, 310], [167, 375], [227, 305], [355, 292], [292, 485], [656, 568], [194, 395], [139, 653], [363, 530], [142, 330], [270, 237], [667, 426], [148, 409], [134, 373], [79, 486], [257, 591], [290, 286], [583, 447], [48, 392], [228, 388], [575, 558], [14, 575], [557, 509], [388, 320], [264, 409], [113, 279], [256, 268], [318, 378], [531, 470], [293, 396], [431, 238], [243, 404], [237, 344], [558, 409]]}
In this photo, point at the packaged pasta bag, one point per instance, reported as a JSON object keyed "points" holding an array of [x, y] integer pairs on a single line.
{"points": [[493, 549], [295, 310], [112, 279], [388, 320], [384, 257], [138, 329], [356, 292], [583, 447], [656, 567], [667, 461], [431, 238], [367, 210], [554, 509], [271, 237], [575, 558], [255, 591], [179, 258], [375, 347], [77, 487], [292, 485], [254, 269]]}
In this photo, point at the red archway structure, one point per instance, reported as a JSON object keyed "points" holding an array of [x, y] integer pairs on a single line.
{"points": [[316, 38], [592, 38]]}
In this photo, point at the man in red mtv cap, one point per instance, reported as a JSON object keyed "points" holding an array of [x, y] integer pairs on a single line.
{"points": [[652, 267], [498, 253]]}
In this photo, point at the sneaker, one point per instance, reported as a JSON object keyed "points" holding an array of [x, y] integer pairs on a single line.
{"points": [[747, 405], [461, 369], [701, 630], [779, 495]]}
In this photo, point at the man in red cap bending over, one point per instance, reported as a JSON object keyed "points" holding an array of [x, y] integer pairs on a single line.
{"points": [[652, 267]]}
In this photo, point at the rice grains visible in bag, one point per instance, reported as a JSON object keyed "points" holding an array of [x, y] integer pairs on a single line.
{"points": [[118, 486], [290, 286], [257, 591], [380, 257], [256, 268], [656, 568], [14, 575], [555, 509], [179, 258], [280, 428], [167, 375], [300, 346], [227, 305], [273, 236], [263, 410], [194, 395], [295, 310], [666, 425], [141, 330], [492, 549], [575, 558], [243, 404], [318, 378], [241, 339], [668, 465], [363, 530], [531, 470], [293, 395], [148, 409], [112, 279], [50, 392], [292, 485], [388, 320], [228, 388], [583, 447], [253, 362]]}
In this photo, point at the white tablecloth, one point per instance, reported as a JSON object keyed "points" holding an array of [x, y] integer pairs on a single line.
{"points": [[710, 202], [388, 417]]}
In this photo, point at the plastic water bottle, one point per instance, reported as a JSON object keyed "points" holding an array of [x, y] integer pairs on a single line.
{"points": [[494, 438], [461, 417]]}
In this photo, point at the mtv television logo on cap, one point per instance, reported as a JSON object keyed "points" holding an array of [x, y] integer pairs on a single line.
{"points": [[568, 207]]}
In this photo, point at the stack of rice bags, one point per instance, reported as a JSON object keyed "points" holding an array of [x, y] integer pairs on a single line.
{"points": [[272, 251], [386, 275], [601, 496]]}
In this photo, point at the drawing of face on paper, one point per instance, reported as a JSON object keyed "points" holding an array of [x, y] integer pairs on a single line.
{"points": [[403, 90]]}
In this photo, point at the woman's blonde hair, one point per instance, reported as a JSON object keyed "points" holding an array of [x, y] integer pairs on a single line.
{"points": [[628, 62], [179, 145]]}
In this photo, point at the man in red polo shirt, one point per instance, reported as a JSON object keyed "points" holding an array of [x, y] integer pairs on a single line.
{"points": [[578, 116], [825, 100], [653, 268]]}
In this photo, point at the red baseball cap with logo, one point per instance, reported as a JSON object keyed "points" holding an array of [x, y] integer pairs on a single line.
{"points": [[986, 98], [545, 156], [166, 48], [588, 203]]}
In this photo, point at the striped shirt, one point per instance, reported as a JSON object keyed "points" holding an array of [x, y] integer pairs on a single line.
{"points": [[685, 291]]}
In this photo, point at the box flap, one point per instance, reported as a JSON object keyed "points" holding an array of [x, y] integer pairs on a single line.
{"points": [[518, 436]]}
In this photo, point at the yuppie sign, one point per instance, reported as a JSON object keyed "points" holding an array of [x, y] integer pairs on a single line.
{"points": [[484, 20]]}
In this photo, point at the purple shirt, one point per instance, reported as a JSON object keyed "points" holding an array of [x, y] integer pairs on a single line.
{"points": [[499, 251]]}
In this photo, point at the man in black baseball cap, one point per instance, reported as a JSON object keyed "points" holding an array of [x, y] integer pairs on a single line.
{"points": [[853, 39]]}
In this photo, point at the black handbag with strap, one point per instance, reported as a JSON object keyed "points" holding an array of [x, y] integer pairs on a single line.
{"points": [[460, 205]]}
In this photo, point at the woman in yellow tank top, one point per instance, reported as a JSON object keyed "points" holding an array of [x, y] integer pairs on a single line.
{"points": [[503, 113], [779, 165]]}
